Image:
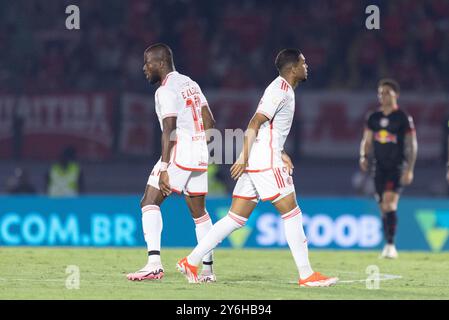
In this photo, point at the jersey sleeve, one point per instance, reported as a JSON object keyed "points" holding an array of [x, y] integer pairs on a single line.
{"points": [[203, 100], [168, 102], [271, 102]]}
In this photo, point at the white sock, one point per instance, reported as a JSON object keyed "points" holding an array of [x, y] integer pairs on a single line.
{"points": [[297, 241], [217, 234], [152, 229], [202, 226]]}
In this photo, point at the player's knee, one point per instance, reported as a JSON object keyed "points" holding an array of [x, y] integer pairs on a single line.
{"points": [[147, 201], [388, 206], [392, 207]]}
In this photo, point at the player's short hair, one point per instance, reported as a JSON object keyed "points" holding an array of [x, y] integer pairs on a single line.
{"points": [[166, 52], [286, 57], [393, 84]]}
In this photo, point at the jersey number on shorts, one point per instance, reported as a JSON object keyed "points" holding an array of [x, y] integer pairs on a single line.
{"points": [[195, 106]]}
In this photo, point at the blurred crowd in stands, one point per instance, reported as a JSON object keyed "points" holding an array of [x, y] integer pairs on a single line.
{"points": [[222, 44]]}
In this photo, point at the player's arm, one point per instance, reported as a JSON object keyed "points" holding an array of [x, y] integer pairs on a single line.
{"points": [[168, 101], [167, 143], [365, 148], [410, 152], [250, 136], [208, 120]]}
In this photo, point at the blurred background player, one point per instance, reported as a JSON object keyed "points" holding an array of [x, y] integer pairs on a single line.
{"points": [[390, 132], [65, 177], [184, 115], [264, 172]]}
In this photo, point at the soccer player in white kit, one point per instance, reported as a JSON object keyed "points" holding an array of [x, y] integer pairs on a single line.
{"points": [[264, 172], [184, 115]]}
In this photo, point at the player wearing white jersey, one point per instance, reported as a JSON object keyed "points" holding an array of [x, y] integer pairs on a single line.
{"points": [[184, 115], [264, 172]]}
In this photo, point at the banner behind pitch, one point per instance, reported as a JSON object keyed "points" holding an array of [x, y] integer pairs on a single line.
{"points": [[332, 223]]}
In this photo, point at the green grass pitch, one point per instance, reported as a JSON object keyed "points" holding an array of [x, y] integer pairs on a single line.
{"points": [[40, 273]]}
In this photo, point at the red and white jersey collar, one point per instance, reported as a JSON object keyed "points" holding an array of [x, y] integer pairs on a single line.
{"points": [[288, 84], [166, 77]]}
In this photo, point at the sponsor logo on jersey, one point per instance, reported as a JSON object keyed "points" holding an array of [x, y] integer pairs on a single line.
{"points": [[383, 136]]}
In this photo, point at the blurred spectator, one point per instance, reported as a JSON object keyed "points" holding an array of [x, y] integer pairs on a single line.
{"points": [[65, 177], [19, 183], [227, 44]]}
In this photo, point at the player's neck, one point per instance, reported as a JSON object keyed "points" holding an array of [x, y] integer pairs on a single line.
{"points": [[290, 81], [165, 72], [387, 109]]}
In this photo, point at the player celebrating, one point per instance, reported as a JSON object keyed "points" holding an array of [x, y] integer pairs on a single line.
{"points": [[184, 115], [264, 172], [392, 134]]}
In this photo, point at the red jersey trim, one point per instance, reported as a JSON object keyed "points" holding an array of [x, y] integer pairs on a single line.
{"points": [[254, 171], [278, 176], [195, 193], [271, 198], [170, 115], [284, 85], [244, 198], [277, 179]]}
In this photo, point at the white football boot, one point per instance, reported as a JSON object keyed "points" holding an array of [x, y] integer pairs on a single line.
{"points": [[389, 252]]}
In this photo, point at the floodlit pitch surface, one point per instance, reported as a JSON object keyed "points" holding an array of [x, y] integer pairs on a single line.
{"points": [[43, 273]]}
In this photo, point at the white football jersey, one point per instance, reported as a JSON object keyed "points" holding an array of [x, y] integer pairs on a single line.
{"points": [[181, 97], [278, 105]]}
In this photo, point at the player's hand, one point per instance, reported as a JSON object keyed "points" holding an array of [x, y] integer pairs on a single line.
{"points": [[363, 162], [288, 162], [164, 184], [407, 177], [238, 168]]}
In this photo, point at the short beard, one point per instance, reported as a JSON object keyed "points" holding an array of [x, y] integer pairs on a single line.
{"points": [[155, 79]]}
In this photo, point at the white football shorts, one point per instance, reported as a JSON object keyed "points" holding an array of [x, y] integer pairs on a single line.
{"points": [[191, 183], [270, 185]]}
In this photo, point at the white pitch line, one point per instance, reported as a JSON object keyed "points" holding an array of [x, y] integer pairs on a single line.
{"points": [[386, 277], [33, 280]]}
